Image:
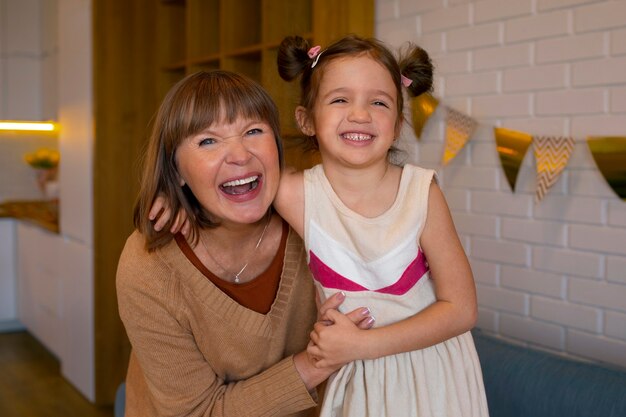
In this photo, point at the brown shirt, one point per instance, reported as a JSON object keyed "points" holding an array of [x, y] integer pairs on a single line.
{"points": [[257, 295], [197, 352]]}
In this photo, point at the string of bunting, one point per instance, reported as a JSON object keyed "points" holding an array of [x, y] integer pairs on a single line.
{"points": [[552, 153]]}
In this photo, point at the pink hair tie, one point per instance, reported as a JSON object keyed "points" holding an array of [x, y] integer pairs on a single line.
{"points": [[314, 52], [406, 81]]}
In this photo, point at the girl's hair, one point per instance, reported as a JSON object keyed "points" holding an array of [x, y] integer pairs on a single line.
{"points": [[196, 102], [293, 61]]}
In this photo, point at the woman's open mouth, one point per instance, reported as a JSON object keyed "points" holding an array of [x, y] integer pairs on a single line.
{"points": [[240, 186]]}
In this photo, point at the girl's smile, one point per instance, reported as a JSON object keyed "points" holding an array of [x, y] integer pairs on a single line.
{"points": [[354, 115]]}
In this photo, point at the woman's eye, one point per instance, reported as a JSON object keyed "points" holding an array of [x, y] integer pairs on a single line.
{"points": [[338, 100], [206, 141], [255, 131]]}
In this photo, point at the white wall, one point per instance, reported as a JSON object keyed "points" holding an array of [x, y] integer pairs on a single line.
{"points": [[549, 274], [28, 88], [76, 137], [46, 73]]}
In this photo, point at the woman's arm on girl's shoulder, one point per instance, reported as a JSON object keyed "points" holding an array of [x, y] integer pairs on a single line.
{"points": [[454, 312], [289, 200]]}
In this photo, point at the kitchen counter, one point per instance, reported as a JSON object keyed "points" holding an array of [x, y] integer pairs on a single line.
{"points": [[40, 212]]}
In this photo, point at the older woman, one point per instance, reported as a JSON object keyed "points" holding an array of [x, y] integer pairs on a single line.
{"points": [[218, 320]]}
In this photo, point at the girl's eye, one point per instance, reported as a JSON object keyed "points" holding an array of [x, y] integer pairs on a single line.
{"points": [[206, 141], [380, 103]]}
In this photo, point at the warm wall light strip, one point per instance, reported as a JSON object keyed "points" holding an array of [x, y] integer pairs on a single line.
{"points": [[28, 126]]}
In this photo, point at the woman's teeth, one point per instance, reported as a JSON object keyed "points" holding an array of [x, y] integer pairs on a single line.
{"points": [[240, 186], [241, 181]]}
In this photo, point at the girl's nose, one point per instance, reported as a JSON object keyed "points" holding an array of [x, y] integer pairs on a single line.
{"points": [[237, 152], [359, 114]]}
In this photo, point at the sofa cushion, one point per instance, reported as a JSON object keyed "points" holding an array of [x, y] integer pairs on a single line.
{"points": [[521, 382]]}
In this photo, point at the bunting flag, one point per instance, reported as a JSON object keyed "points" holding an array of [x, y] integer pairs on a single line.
{"points": [[512, 147], [459, 128], [422, 107], [610, 155], [552, 154]]}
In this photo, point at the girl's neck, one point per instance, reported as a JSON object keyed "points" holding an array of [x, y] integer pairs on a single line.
{"points": [[369, 191]]}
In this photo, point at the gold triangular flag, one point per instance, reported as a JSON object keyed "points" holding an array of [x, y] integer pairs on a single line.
{"points": [[512, 147], [552, 154], [609, 152], [459, 128], [422, 107]]}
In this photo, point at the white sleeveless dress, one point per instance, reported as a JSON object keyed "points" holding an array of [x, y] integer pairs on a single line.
{"points": [[378, 263]]}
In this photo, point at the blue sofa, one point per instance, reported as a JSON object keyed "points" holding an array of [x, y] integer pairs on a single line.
{"points": [[521, 382]]}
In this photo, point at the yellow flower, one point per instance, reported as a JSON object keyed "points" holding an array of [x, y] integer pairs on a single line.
{"points": [[43, 158]]}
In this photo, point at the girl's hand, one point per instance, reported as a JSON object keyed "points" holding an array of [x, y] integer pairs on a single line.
{"points": [[336, 344], [160, 211], [308, 366]]}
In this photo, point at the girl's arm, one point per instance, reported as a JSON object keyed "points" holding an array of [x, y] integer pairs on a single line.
{"points": [[289, 201], [160, 213], [453, 313]]}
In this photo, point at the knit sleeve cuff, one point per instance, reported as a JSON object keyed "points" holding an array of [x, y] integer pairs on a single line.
{"points": [[280, 390]]}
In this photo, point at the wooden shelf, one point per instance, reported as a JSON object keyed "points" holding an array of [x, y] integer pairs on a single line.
{"points": [[43, 213], [141, 49], [244, 35]]}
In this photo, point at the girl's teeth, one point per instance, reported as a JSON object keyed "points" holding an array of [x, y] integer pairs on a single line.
{"points": [[357, 136], [240, 181]]}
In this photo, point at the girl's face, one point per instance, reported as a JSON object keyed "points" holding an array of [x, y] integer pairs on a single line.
{"points": [[354, 114], [232, 169]]}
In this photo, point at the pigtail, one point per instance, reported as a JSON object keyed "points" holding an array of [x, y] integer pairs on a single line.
{"points": [[415, 64], [292, 57]]}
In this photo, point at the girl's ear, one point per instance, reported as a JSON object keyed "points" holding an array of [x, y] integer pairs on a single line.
{"points": [[304, 121]]}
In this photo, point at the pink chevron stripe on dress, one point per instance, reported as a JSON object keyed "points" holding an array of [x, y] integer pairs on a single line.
{"points": [[328, 278]]}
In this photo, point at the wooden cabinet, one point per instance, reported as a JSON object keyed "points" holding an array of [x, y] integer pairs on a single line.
{"points": [[141, 48], [244, 35]]}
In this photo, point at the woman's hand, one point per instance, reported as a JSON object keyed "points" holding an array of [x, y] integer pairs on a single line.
{"points": [[161, 213], [361, 316]]}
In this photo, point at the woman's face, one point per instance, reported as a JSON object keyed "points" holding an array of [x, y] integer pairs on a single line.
{"points": [[232, 169]]}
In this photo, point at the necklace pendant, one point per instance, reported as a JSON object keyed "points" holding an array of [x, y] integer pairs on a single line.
{"points": [[236, 279]]}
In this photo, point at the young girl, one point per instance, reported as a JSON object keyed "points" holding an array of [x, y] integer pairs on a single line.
{"points": [[381, 233]]}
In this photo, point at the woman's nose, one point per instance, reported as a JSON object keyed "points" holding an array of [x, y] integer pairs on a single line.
{"points": [[237, 151]]}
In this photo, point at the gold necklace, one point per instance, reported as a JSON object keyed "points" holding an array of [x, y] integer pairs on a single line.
{"points": [[237, 276]]}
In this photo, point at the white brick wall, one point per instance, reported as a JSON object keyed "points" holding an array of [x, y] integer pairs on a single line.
{"points": [[550, 274]]}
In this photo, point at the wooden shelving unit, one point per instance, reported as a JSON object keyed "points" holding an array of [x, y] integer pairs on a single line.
{"points": [[244, 35], [141, 49]]}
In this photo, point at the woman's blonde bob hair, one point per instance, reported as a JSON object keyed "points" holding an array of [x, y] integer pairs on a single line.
{"points": [[196, 102]]}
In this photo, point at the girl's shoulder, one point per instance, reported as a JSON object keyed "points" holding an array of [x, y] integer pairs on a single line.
{"points": [[420, 171], [414, 175]]}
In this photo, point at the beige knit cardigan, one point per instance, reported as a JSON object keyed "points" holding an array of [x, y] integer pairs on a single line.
{"points": [[196, 352]]}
